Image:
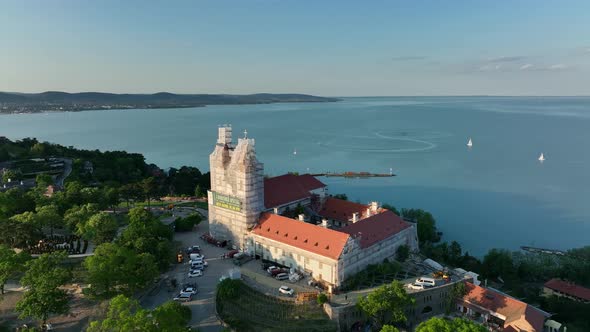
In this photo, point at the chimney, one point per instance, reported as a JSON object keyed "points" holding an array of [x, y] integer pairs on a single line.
{"points": [[374, 207], [368, 212], [276, 210], [301, 217], [355, 217], [325, 223]]}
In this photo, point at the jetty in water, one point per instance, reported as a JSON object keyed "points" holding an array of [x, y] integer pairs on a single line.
{"points": [[356, 174], [543, 251]]}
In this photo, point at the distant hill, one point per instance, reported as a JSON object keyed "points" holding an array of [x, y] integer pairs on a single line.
{"points": [[63, 101]]}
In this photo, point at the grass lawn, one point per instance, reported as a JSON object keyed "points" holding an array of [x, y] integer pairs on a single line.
{"points": [[254, 311]]}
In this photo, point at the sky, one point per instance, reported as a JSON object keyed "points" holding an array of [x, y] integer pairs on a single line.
{"points": [[329, 48]]}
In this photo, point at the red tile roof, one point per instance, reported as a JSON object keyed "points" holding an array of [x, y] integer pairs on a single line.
{"points": [[341, 210], [519, 315], [569, 288], [299, 234], [376, 228], [289, 188]]}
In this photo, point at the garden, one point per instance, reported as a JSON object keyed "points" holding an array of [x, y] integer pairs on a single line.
{"points": [[245, 309]]}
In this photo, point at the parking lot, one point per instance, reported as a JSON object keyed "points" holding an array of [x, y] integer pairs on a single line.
{"points": [[203, 303]]}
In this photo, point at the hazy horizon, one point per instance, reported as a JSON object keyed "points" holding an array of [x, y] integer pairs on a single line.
{"points": [[331, 48]]}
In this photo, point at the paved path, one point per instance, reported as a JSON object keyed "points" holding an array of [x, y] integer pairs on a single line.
{"points": [[59, 181]]}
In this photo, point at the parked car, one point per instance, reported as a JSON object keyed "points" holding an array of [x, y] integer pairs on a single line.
{"points": [[193, 249], [190, 290], [195, 273], [184, 297], [415, 286], [232, 253], [222, 278], [286, 290], [282, 276], [195, 256], [276, 272], [271, 268], [426, 281]]}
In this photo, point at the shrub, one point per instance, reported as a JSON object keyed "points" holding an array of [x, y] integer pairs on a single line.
{"points": [[322, 298], [187, 224]]}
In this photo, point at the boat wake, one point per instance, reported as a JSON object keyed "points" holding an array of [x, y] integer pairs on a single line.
{"points": [[424, 145]]}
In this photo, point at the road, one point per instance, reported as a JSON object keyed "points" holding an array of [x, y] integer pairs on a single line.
{"points": [[203, 304], [59, 181]]}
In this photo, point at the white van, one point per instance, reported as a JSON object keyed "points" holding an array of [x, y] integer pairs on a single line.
{"points": [[428, 282], [282, 276]]}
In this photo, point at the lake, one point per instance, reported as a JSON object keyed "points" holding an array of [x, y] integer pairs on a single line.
{"points": [[496, 194]]}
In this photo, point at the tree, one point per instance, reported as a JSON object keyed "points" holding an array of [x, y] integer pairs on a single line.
{"points": [[114, 269], [198, 191], [43, 181], [322, 298], [341, 196], [11, 175], [78, 215], [49, 216], [130, 191], [187, 224], [391, 208], [111, 196], [403, 252], [43, 278], [11, 263], [124, 315], [172, 316], [497, 263], [149, 187], [437, 324], [389, 328], [455, 253], [386, 304], [100, 228]]}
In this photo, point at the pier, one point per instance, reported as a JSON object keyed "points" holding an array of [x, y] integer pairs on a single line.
{"points": [[543, 251], [356, 174]]}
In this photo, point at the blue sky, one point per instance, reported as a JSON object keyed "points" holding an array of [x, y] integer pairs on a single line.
{"points": [[335, 48]]}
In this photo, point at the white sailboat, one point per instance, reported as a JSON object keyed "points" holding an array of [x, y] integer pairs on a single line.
{"points": [[295, 151], [470, 143], [542, 157]]}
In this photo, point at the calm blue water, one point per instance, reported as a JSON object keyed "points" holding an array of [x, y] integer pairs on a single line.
{"points": [[494, 195]]}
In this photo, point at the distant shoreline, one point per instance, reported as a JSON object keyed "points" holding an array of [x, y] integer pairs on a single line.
{"points": [[55, 101]]}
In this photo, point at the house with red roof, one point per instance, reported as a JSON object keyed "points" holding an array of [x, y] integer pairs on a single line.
{"points": [[566, 289], [499, 311], [329, 239]]}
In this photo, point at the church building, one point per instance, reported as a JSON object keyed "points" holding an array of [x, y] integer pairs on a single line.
{"points": [[293, 221]]}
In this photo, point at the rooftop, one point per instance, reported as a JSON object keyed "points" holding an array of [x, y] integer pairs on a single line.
{"points": [[517, 315], [289, 188], [569, 288], [341, 210], [302, 235], [376, 228]]}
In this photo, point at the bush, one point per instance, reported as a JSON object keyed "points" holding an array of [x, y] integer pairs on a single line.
{"points": [[228, 289], [322, 298], [187, 224], [403, 252]]}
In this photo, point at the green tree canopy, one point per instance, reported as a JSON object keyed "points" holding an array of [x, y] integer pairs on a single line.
{"points": [[101, 227], [43, 278], [126, 315], [498, 263], [437, 324], [389, 328], [11, 263], [79, 215], [387, 304], [115, 269]]}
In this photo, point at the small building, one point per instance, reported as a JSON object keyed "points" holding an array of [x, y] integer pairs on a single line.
{"points": [[88, 167], [566, 289], [500, 311]]}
